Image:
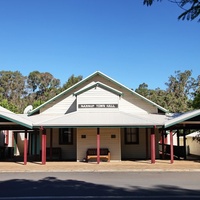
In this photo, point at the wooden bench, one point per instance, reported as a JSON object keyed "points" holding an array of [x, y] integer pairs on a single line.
{"points": [[52, 154], [92, 154]]}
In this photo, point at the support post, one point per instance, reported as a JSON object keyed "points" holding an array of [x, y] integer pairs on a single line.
{"points": [[184, 142], [51, 143], [147, 144], [163, 144], [171, 148], [178, 141], [98, 146], [153, 149], [43, 146], [25, 147]]}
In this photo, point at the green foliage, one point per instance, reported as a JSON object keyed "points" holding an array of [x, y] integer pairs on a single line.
{"points": [[196, 102], [72, 80], [4, 103], [18, 91], [179, 94], [191, 8]]}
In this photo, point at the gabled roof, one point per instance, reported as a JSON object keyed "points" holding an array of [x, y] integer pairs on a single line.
{"points": [[8, 118], [182, 118], [98, 73], [101, 85]]}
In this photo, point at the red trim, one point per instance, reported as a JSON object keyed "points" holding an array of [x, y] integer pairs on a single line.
{"points": [[98, 146], [6, 137], [51, 143], [147, 144], [153, 148], [25, 147], [163, 144], [171, 147], [43, 146]]}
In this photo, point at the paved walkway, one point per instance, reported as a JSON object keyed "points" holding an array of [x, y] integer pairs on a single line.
{"points": [[142, 165]]}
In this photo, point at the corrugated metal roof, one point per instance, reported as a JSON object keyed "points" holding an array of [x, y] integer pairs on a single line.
{"points": [[86, 79], [181, 118], [15, 118], [103, 119]]}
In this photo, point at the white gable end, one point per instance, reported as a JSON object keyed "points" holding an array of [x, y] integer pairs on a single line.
{"points": [[97, 99], [98, 89]]}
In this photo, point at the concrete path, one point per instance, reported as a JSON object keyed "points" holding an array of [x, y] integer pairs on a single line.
{"points": [[142, 165]]}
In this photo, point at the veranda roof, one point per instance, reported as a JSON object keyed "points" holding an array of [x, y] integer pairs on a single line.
{"points": [[103, 119], [189, 119], [10, 120]]}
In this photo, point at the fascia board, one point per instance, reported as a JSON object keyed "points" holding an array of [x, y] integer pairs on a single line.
{"points": [[20, 122], [181, 118]]}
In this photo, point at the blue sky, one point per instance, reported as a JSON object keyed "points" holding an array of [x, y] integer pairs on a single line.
{"points": [[124, 39]]}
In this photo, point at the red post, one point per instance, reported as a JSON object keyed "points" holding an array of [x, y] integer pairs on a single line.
{"points": [[6, 136], [147, 144], [43, 146], [98, 146], [25, 147], [171, 147], [163, 144], [51, 143], [153, 148]]}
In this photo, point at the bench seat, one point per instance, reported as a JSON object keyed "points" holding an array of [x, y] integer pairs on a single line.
{"points": [[92, 154]]}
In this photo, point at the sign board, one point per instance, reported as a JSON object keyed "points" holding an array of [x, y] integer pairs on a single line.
{"points": [[97, 105]]}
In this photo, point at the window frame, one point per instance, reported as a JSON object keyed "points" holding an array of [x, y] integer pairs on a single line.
{"points": [[64, 140], [133, 133]]}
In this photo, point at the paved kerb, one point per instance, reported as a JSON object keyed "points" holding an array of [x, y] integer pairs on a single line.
{"points": [[142, 165]]}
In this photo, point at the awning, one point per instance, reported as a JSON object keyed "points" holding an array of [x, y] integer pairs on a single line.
{"points": [[103, 119], [10, 120], [190, 119]]}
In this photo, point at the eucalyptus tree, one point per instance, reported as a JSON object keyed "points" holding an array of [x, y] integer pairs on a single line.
{"points": [[178, 95], [196, 101], [156, 95], [72, 80], [42, 86], [180, 89], [191, 8], [12, 88]]}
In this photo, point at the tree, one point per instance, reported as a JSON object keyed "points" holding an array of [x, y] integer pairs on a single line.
{"points": [[181, 90], [158, 96], [12, 88], [43, 86], [72, 80], [196, 101], [191, 8], [178, 95], [143, 90]]}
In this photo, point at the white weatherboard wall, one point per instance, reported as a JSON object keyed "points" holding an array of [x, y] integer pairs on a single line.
{"points": [[113, 144], [138, 151], [65, 105], [97, 96], [194, 146], [129, 97], [128, 102]]}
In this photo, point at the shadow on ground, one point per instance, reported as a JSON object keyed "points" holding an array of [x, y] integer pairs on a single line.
{"points": [[51, 186]]}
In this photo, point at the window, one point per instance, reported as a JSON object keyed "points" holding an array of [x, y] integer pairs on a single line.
{"points": [[131, 135], [66, 136]]}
